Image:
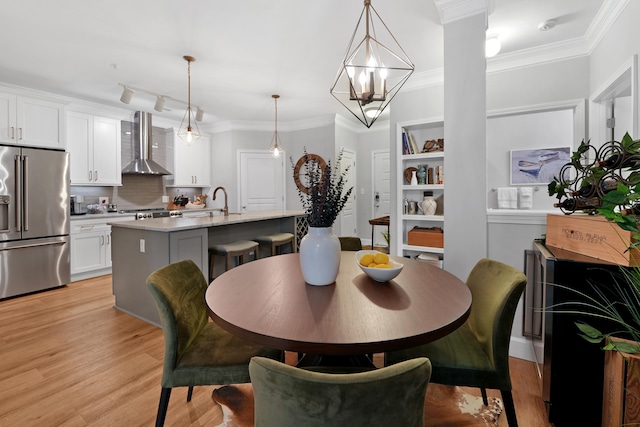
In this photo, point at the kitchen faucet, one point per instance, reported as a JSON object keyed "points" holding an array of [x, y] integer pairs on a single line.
{"points": [[224, 210]]}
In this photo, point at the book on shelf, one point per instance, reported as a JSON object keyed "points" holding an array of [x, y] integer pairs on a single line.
{"points": [[439, 178], [405, 143], [412, 144]]}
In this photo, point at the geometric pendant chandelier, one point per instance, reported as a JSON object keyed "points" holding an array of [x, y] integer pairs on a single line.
{"points": [[373, 70]]}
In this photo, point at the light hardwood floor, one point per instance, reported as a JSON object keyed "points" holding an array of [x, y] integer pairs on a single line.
{"points": [[68, 358]]}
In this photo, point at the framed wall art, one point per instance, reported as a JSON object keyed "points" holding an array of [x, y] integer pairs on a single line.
{"points": [[537, 166]]}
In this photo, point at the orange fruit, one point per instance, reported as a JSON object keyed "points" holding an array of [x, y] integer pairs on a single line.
{"points": [[380, 258], [366, 259]]}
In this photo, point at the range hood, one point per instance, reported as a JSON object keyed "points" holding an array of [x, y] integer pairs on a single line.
{"points": [[142, 164]]}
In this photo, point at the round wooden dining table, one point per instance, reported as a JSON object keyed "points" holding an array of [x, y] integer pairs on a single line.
{"points": [[268, 302]]}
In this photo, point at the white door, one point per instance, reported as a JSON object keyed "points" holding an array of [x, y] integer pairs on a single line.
{"points": [[261, 181], [381, 191], [348, 214]]}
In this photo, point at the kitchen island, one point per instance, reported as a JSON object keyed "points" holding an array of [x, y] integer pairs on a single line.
{"points": [[140, 247]]}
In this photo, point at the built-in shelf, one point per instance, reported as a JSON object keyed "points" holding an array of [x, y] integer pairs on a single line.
{"points": [[421, 132], [431, 218], [423, 249]]}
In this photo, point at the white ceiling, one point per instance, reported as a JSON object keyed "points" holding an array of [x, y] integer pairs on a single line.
{"points": [[245, 50]]}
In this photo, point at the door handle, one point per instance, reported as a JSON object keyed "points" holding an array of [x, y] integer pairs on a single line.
{"points": [[25, 190], [18, 208]]}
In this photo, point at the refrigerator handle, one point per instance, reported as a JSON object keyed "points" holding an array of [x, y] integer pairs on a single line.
{"points": [[18, 202], [25, 194]]}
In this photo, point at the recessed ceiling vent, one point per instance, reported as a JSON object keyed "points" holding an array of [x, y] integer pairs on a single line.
{"points": [[142, 163]]}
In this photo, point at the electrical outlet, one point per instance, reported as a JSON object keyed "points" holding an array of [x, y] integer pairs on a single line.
{"points": [[142, 245], [165, 199], [361, 190]]}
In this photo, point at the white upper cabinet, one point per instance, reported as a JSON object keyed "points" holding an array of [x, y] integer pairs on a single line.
{"points": [[94, 146], [31, 122], [192, 163]]}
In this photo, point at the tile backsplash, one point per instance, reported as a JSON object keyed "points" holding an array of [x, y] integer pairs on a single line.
{"points": [[139, 191]]}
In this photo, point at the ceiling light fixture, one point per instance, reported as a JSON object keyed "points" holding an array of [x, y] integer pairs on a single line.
{"points": [[275, 148], [126, 95], [371, 72], [492, 46], [547, 25], [188, 133], [159, 104]]}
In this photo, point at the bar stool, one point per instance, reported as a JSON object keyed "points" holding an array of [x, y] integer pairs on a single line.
{"points": [[276, 240], [238, 249]]}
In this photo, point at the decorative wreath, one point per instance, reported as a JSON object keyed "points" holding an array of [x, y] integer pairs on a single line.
{"points": [[303, 162]]}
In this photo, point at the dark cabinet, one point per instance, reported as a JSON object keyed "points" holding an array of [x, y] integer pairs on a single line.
{"points": [[573, 369]]}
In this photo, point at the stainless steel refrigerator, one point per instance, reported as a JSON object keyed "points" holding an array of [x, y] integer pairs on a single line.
{"points": [[34, 220]]}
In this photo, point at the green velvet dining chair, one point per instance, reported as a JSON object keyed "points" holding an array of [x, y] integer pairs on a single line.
{"points": [[197, 352], [348, 243], [477, 353], [286, 396]]}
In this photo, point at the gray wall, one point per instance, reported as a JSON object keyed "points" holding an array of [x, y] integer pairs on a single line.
{"points": [[320, 141], [547, 129]]}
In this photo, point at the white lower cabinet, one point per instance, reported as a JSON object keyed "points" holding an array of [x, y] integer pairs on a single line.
{"points": [[91, 247]]}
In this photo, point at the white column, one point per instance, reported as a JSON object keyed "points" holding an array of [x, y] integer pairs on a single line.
{"points": [[465, 170]]}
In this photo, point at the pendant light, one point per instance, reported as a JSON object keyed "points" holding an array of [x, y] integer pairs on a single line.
{"points": [[187, 132], [276, 146], [371, 73]]}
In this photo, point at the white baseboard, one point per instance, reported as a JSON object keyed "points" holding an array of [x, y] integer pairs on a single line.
{"points": [[526, 349]]}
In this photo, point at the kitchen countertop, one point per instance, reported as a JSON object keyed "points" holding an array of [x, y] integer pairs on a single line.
{"points": [[180, 224], [131, 214], [102, 215]]}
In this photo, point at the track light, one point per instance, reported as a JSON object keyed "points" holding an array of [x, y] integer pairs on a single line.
{"points": [[159, 104], [161, 100], [126, 95]]}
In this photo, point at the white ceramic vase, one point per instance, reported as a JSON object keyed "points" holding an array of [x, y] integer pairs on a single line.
{"points": [[429, 205], [414, 178], [320, 256]]}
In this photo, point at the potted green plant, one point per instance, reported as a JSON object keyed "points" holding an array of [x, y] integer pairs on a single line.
{"points": [[323, 202], [609, 186]]}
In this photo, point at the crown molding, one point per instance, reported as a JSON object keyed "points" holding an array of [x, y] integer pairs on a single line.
{"points": [[604, 20], [552, 52], [424, 79], [454, 10], [262, 126]]}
